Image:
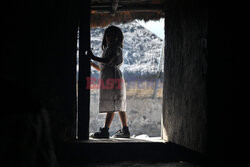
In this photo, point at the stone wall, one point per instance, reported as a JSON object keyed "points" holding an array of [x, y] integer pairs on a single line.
{"points": [[184, 99]]}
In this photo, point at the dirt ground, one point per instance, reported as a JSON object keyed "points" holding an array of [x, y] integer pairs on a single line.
{"points": [[137, 164]]}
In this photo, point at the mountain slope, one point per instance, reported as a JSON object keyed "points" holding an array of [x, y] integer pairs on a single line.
{"points": [[141, 49]]}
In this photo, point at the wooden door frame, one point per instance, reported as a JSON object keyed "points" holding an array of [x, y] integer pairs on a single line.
{"points": [[84, 71]]}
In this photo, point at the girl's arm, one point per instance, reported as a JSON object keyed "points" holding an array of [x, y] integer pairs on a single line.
{"points": [[93, 57], [102, 60], [95, 66]]}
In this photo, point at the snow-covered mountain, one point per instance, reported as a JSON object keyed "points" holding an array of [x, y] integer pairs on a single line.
{"points": [[142, 50]]}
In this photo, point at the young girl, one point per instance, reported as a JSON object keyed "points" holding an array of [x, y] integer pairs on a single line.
{"points": [[113, 91]]}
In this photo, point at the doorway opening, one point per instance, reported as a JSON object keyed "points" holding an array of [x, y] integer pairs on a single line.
{"points": [[182, 98], [143, 63], [144, 81]]}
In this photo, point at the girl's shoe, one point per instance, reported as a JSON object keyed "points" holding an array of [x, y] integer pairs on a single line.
{"points": [[103, 133], [122, 133]]}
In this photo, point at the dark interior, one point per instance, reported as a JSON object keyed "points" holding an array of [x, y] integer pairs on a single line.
{"points": [[38, 75]]}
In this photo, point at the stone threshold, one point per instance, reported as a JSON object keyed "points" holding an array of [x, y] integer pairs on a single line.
{"points": [[137, 139]]}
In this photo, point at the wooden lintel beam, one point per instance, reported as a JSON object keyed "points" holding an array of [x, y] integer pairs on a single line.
{"points": [[128, 8]]}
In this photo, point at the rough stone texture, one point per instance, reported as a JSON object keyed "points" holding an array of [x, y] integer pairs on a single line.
{"points": [[184, 110], [144, 116]]}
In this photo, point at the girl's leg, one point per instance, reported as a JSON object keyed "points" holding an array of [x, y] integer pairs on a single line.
{"points": [[124, 132], [109, 119], [104, 132], [123, 118]]}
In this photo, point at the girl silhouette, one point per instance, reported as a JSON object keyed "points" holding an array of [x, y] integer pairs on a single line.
{"points": [[112, 90]]}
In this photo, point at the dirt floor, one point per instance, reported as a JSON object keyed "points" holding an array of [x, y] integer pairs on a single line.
{"points": [[136, 164]]}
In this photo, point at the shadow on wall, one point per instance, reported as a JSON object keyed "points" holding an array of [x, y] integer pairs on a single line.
{"points": [[26, 139]]}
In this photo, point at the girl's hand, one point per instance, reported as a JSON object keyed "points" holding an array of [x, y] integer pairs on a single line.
{"points": [[95, 66], [91, 63], [89, 54]]}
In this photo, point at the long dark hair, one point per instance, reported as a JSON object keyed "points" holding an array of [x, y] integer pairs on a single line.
{"points": [[115, 32]]}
